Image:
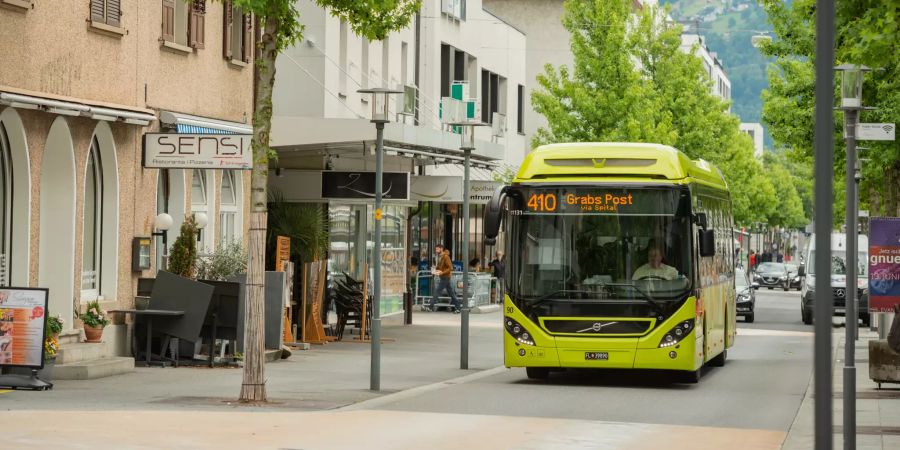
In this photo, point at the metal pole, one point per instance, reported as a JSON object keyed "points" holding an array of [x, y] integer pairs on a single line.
{"points": [[850, 315], [823, 144], [464, 328], [375, 381]]}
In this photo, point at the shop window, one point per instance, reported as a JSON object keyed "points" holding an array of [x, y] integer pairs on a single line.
{"points": [[5, 208], [107, 12], [229, 215], [93, 220], [184, 23], [238, 34]]}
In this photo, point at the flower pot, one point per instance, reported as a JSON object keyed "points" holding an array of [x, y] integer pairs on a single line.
{"points": [[92, 334]]}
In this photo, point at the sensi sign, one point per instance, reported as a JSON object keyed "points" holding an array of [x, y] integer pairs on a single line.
{"points": [[197, 151]]}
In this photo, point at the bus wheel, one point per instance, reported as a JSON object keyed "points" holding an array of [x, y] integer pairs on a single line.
{"points": [[537, 373], [719, 360], [692, 377], [749, 317]]}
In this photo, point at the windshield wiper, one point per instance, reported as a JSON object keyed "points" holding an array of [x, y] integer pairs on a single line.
{"points": [[547, 297], [647, 298]]}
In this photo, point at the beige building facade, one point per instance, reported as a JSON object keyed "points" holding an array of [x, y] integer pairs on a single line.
{"points": [[81, 82]]}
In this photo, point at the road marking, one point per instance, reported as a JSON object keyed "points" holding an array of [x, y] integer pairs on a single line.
{"points": [[761, 332], [4, 391], [416, 391]]}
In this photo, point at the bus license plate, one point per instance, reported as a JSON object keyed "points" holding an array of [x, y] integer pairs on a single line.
{"points": [[601, 356]]}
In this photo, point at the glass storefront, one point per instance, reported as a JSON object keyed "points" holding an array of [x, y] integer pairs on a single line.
{"points": [[346, 223], [442, 223]]}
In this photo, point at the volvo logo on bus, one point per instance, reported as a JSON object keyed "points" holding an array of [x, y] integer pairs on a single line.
{"points": [[596, 327]]}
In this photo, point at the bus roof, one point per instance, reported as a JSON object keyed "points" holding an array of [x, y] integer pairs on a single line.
{"points": [[615, 162]]}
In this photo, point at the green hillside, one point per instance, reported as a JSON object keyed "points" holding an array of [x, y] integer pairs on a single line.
{"points": [[728, 26]]}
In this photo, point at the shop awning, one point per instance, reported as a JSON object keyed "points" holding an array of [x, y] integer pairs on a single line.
{"points": [[73, 108], [186, 123]]}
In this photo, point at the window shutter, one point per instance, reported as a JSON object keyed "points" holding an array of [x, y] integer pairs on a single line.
{"points": [[168, 20], [98, 11], [197, 24], [247, 47], [113, 12], [226, 31]]}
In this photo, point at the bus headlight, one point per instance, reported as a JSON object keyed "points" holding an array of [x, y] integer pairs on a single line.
{"points": [[677, 333], [517, 331]]}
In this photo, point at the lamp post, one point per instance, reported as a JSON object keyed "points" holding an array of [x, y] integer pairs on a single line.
{"points": [[380, 116], [467, 145], [851, 104], [161, 223], [201, 220]]}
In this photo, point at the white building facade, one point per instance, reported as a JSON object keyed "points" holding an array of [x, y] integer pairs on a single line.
{"points": [[321, 126], [712, 65], [755, 131]]}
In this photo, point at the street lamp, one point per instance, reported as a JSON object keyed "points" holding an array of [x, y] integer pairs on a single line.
{"points": [[201, 220], [161, 223], [467, 144], [380, 116], [851, 104]]}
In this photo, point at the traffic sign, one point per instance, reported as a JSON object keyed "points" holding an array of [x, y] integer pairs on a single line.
{"points": [[875, 131]]}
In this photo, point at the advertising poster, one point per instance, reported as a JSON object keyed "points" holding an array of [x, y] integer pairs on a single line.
{"points": [[884, 264], [393, 280], [22, 319]]}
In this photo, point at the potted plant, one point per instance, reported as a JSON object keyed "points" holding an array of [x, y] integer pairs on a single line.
{"points": [[94, 320], [54, 327]]}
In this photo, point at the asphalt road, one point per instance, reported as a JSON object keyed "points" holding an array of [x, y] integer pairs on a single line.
{"points": [[760, 387]]}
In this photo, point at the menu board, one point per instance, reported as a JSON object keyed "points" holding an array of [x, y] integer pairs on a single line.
{"points": [[22, 319]]}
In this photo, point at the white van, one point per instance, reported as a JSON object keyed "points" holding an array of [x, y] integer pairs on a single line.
{"points": [[838, 277]]}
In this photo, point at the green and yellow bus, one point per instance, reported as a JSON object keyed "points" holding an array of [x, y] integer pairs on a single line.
{"points": [[619, 256]]}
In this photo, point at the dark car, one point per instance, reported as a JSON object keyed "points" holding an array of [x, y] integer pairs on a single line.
{"points": [[794, 278], [745, 296], [772, 275]]}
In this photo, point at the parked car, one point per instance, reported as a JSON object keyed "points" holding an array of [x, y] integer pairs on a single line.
{"points": [[745, 296], [772, 275], [794, 278]]}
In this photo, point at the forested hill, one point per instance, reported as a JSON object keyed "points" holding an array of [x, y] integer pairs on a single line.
{"points": [[728, 26]]}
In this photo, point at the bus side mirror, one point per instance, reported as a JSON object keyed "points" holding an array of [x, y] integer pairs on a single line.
{"points": [[493, 215], [700, 218], [707, 243], [801, 271]]}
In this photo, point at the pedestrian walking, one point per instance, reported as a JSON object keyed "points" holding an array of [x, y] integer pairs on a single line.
{"points": [[443, 272], [499, 268], [752, 260]]}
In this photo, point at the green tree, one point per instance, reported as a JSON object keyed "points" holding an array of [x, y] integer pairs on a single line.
{"points": [[666, 98], [183, 256], [867, 33], [278, 26]]}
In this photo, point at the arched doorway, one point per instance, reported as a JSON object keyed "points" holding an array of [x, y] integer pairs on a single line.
{"points": [[100, 215], [15, 191], [56, 253]]}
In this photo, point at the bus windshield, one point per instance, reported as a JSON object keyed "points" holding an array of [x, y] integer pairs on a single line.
{"points": [[584, 243]]}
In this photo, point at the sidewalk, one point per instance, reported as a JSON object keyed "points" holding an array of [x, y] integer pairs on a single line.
{"points": [[877, 411], [324, 377]]}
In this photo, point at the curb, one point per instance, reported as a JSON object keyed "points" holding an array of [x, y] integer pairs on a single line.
{"points": [[419, 390]]}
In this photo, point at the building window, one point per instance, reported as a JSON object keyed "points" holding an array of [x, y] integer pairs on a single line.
{"points": [[404, 62], [230, 229], [5, 208], [520, 114], [456, 65], [238, 34], [454, 8], [184, 23], [93, 220], [364, 61], [162, 206], [386, 62], [198, 189], [493, 95], [342, 58], [108, 12]]}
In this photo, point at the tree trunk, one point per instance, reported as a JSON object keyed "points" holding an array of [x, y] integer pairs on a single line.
{"points": [[874, 201], [253, 386], [890, 192]]}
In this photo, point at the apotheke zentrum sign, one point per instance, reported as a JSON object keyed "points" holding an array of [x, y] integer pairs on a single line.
{"points": [[197, 151]]}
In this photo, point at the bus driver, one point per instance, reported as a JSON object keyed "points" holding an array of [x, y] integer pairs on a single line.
{"points": [[655, 269]]}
